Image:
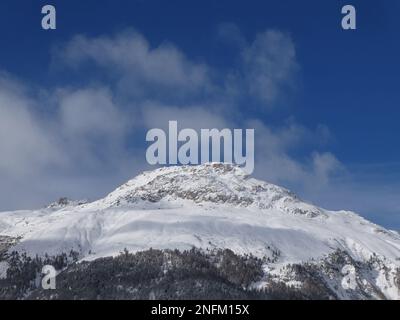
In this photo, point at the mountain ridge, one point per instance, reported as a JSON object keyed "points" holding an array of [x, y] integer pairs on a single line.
{"points": [[217, 183]]}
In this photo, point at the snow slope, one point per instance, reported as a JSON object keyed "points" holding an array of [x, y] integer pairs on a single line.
{"points": [[207, 206]]}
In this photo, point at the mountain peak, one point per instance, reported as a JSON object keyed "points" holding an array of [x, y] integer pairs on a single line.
{"points": [[207, 184]]}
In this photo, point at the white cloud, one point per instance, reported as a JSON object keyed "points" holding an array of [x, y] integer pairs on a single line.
{"points": [[137, 65], [324, 165], [76, 147], [92, 127], [275, 162], [266, 71], [89, 112], [24, 142], [269, 65]]}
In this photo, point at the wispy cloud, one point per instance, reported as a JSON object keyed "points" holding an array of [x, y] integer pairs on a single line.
{"points": [[269, 65], [137, 68]]}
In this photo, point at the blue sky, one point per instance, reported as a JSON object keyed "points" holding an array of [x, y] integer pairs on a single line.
{"points": [[326, 122]]}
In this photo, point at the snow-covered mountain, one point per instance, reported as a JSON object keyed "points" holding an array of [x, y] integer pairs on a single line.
{"points": [[218, 206]]}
